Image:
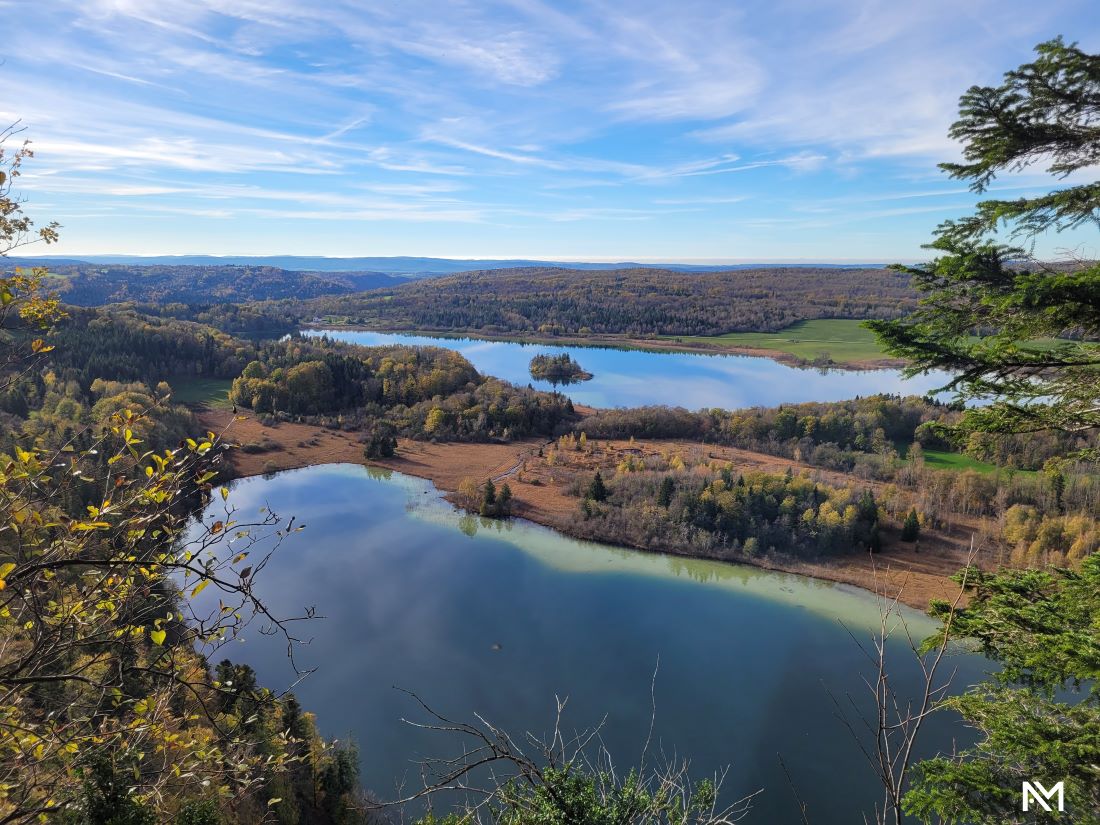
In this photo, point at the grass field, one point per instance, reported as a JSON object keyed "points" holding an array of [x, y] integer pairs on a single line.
{"points": [[839, 339], [944, 460], [213, 392]]}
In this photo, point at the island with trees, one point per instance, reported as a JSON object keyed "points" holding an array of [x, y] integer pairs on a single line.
{"points": [[558, 369]]}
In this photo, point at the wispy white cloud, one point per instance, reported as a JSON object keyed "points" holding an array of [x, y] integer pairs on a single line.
{"points": [[506, 58], [530, 119], [178, 153], [703, 200], [609, 213], [490, 152], [801, 162]]}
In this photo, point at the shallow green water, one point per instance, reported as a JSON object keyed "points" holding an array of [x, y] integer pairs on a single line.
{"points": [[631, 378], [499, 618]]}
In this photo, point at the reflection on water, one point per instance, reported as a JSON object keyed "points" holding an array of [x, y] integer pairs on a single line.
{"points": [[630, 378], [856, 607], [498, 618]]}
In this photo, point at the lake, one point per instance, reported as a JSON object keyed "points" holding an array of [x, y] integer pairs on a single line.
{"points": [[498, 618], [631, 378]]}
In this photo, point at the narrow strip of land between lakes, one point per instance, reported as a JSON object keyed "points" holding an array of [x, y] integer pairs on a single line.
{"points": [[915, 575]]}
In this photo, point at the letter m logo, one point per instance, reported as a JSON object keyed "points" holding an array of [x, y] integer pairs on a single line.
{"points": [[1034, 792]]}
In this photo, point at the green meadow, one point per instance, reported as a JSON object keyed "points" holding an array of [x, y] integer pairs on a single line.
{"points": [[944, 460], [213, 392], [839, 339]]}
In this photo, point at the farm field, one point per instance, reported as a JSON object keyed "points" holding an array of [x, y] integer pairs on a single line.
{"points": [[946, 460], [213, 392], [837, 339]]}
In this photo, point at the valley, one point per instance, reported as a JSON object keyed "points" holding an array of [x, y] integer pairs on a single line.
{"points": [[533, 534], [811, 497]]}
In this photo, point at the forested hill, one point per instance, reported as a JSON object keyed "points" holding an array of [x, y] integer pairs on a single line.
{"points": [[250, 300], [628, 301], [107, 358], [85, 284]]}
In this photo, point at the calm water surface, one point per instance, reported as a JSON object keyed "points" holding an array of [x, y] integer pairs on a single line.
{"points": [[498, 618], [630, 378]]}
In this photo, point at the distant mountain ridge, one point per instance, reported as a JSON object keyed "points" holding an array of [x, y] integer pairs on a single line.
{"points": [[87, 283], [402, 266], [262, 300]]}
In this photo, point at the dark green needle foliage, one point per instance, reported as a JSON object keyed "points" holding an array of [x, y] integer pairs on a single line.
{"points": [[1008, 327], [910, 529], [1023, 335], [597, 490], [1039, 718]]}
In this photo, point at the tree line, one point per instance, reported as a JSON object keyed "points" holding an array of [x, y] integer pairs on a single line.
{"points": [[549, 301], [714, 512], [419, 392], [87, 284]]}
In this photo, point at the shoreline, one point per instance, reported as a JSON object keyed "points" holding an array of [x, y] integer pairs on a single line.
{"points": [[914, 576], [626, 342]]}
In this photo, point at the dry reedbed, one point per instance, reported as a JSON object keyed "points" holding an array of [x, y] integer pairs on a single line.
{"points": [[292, 445]]}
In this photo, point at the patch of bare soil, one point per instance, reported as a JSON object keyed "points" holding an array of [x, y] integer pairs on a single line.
{"points": [[285, 446]]}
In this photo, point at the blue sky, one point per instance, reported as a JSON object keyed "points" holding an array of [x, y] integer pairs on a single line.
{"points": [[785, 129]]}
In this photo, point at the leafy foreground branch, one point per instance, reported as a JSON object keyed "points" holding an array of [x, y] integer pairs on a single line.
{"points": [[105, 635], [560, 781], [1023, 334], [109, 711]]}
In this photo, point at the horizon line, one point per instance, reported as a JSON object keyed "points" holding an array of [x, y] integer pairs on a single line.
{"points": [[538, 258]]}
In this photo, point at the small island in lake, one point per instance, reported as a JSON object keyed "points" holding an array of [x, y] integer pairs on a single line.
{"points": [[558, 369]]}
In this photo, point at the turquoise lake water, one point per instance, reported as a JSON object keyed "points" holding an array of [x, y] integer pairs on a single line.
{"points": [[499, 618]]}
